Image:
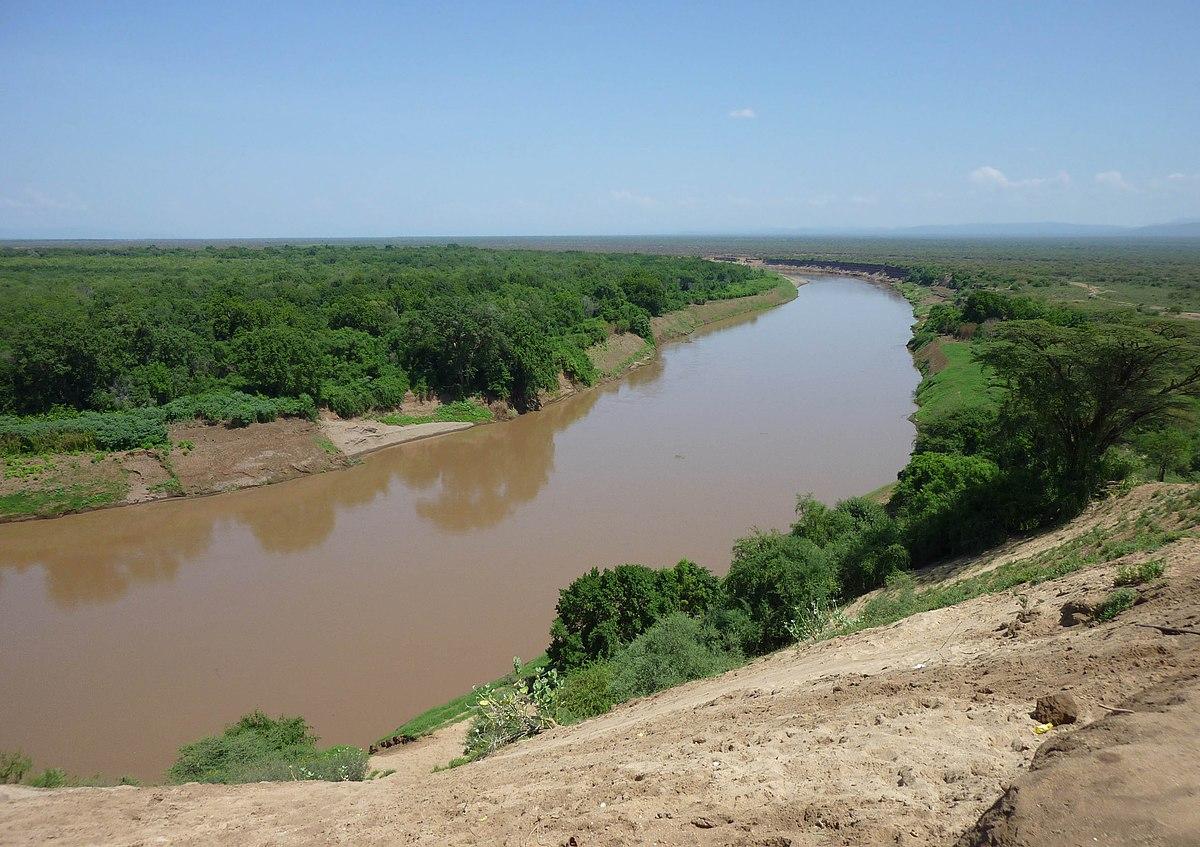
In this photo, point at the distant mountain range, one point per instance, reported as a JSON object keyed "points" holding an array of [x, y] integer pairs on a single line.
{"points": [[1044, 229]]}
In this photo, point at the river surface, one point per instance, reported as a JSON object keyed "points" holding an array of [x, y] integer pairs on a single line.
{"points": [[361, 597]]}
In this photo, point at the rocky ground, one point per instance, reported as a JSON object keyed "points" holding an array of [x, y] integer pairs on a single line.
{"points": [[922, 732]]}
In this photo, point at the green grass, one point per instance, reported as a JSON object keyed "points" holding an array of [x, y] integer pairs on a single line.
{"points": [[1115, 603], [467, 411], [460, 707], [962, 383], [1091, 548], [1138, 574], [328, 446], [16, 467], [58, 501], [645, 350]]}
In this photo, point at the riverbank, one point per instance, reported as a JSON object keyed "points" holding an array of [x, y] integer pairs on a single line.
{"points": [[922, 731], [204, 459]]}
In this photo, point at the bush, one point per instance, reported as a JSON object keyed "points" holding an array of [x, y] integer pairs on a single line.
{"points": [[676, 649], [1116, 602], [968, 431], [859, 536], [945, 505], [509, 713], [1137, 574], [774, 574], [585, 693], [602, 610], [13, 767], [71, 431], [732, 629], [341, 763], [258, 748], [49, 778]]}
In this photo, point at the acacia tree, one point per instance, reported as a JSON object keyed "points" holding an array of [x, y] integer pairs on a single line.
{"points": [[1169, 449], [1077, 391]]}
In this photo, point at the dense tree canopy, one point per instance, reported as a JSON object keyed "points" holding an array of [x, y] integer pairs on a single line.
{"points": [[350, 326]]}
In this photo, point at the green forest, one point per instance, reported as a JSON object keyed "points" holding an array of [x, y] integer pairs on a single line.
{"points": [[99, 348]]}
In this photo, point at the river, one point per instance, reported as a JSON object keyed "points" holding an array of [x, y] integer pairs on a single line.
{"points": [[358, 598]]}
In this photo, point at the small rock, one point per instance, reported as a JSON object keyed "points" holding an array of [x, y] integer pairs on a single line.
{"points": [[954, 774], [907, 777], [1019, 745], [1057, 709], [703, 823]]}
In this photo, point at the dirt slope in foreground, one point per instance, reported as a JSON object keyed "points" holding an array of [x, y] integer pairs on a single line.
{"points": [[905, 734]]}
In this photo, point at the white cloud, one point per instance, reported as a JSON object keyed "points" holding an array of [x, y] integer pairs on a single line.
{"points": [[990, 177], [746, 113], [1179, 176], [1113, 179], [624, 195]]}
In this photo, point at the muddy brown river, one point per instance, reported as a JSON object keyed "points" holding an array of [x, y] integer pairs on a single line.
{"points": [[361, 597]]}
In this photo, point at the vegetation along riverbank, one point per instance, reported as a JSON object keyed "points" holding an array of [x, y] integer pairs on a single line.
{"points": [[1026, 550], [136, 374], [1004, 447]]}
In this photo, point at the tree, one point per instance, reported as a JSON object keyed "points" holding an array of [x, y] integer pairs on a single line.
{"points": [[1169, 449], [603, 610], [772, 577], [278, 360], [944, 505], [1081, 390]]}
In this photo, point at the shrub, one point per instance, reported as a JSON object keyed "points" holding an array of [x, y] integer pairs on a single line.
{"points": [[676, 649], [968, 430], [509, 713], [897, 600], [13, 767], [1116, 602], [341, 763], [49, 778], [1137, 574], [602, 610], [817, 621], [943, 504], [774, 574], [860, 537], [733, 629], [584, 693], [259, 747]]}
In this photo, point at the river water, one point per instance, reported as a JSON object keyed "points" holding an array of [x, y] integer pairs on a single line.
{"points": [[361, 597]]}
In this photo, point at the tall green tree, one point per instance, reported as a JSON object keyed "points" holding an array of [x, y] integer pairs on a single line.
{"points": [[1078, 391]]}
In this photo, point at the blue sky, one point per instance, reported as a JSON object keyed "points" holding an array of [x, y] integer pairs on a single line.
{"points": [[291, 119]]}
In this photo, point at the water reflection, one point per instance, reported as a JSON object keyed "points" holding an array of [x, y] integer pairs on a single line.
{"points": [[97, 557], [480, 476], [484, 476]]}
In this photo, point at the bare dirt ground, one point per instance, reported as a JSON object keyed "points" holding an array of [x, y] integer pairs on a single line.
{"points": [[905, 734], [357, 436], [226, 458]]}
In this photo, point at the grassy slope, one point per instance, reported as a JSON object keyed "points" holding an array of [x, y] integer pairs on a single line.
{"points": [[961, 382]]}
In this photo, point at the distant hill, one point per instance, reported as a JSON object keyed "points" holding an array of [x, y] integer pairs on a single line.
{"points": [[1030, 229]]}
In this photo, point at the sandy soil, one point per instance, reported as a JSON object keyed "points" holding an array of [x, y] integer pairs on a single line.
{"points": [[905, 734], [357, 436], [226, 458]]}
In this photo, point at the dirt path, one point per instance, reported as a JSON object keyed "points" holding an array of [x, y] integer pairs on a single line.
{"points": [[904, 734]]}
